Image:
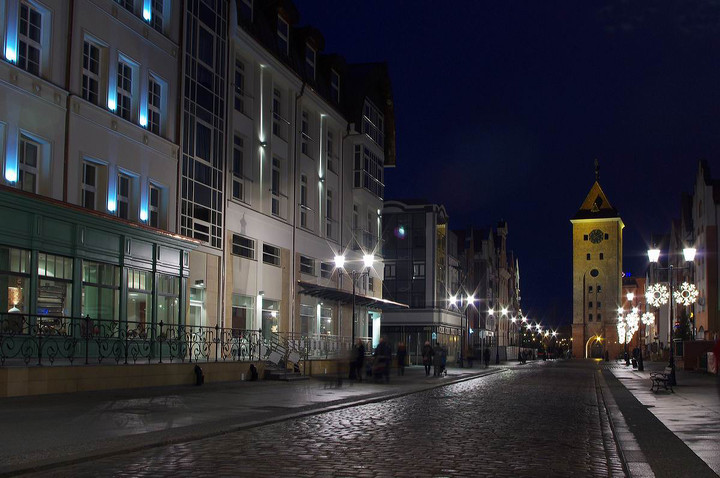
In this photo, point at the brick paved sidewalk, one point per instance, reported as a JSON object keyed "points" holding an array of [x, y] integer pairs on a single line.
{"points": [[45, 430], [692, 412]]}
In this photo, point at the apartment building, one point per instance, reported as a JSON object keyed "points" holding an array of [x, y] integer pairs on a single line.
{"points": [[89, 151]]}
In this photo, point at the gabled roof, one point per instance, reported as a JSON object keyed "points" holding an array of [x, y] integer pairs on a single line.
{"points": [[596, 205]]}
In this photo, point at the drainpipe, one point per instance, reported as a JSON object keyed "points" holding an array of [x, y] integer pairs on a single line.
{"points": [[68, 101]]}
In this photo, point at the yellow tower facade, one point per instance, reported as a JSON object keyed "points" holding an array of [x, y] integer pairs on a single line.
{"points": [[597, 276]]}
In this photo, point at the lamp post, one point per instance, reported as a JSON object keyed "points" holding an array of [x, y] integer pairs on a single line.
{"points": [[657, 297], [470, 300], [368, 260]]}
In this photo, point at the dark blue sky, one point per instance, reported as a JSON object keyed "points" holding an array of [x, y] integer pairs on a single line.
{"points": [[502, 107]]}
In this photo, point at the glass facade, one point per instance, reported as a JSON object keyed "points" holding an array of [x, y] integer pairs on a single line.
{"points": [[100, 291], [243, 313]]}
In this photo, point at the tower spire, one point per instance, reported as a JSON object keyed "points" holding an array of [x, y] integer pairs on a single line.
{"points": [[597, 170]]}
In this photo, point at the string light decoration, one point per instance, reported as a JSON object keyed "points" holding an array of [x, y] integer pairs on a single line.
{"points": [[648, 318], [687, 294], [657, 295]]}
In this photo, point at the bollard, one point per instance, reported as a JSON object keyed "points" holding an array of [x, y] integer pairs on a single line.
{"points": [[199, 376]]}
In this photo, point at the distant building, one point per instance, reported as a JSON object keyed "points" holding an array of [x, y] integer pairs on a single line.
{"points": [[419, 263], [597, 276]]}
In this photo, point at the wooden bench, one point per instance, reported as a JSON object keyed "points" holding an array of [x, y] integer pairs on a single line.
{"points": [[661, 379]]}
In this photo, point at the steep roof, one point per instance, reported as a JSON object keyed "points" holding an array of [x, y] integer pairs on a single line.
{"points": [[596, 205]]}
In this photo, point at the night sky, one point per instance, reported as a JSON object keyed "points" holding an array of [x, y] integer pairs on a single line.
{"points": [[502, 108]]}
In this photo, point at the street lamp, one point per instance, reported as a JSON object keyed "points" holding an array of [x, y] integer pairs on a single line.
{"points": [[470, 300], [368, 260], [656, 296], [626, 327]]}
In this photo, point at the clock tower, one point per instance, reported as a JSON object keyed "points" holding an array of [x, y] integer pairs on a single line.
{"points": [[597, 275]]}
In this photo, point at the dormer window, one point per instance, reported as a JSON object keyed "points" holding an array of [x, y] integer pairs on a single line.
{"points": [[335, 86], [283, 35], [310, 57]]}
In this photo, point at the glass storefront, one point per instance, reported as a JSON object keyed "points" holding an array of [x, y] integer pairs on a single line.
{"points": [[243, 313], [55, 274], [100, 291], [196, 312], [168, 290], [139, 300], [14, 286], [270, 313], [326, 322]]}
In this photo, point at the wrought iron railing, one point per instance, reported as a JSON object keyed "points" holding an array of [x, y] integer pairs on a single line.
{"points": [[42, 339], [322, 346]]}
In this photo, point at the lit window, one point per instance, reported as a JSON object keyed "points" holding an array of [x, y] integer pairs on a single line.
{"points": [[91, 72], [310, 60], [155, 100], [89, 185], [283, 35], [418, 270], [30, 38], [124, 89], [29, 162]]}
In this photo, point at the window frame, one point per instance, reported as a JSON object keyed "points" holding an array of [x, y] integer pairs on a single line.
{"points": [[272, 255], [26, 38], [124, 100], [24, 168], [307, 265], [283, 38], [240, 249], [88, 76], [155, 210]]}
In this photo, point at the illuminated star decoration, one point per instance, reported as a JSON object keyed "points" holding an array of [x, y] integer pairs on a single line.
{"points": [[687, 294], [648, 318], [657, 295]]}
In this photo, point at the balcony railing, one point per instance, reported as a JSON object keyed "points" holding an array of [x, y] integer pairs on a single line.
{"points": [[42, 339]]}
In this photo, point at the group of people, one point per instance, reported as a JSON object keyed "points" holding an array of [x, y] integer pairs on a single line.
{"points": [[435, 357]]}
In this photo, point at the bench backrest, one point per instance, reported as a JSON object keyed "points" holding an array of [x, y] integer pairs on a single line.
{"points": [[668, 370]]}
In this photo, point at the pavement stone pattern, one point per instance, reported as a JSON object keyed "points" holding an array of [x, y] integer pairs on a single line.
{"points": [[541, 419], [691, 413]]}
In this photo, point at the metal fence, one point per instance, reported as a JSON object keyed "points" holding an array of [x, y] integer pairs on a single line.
{"points": [[44, 339]]}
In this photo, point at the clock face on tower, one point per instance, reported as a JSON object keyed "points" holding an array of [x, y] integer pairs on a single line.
{"points": [[596, 236]]}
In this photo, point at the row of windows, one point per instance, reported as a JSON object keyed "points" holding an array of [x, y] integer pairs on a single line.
{"points": [[155, 16], [598, 318], [125, 100], [368, 171], [418, 271], [601, 256], [598, 304], [245, 10], [245, 247], [100, 289], [35, 163], [34, 23]]}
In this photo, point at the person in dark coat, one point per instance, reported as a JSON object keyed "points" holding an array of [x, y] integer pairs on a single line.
{"points": [[437, 360], [427, 357], [486, 357], [359, 359], [382, 358], [401, 354]]}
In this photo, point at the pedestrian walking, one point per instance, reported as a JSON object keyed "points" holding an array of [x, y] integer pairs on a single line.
{"points": [[359, 360], [486, 357], [427, 357], [382, 358], [437, 360], [401, 354]]}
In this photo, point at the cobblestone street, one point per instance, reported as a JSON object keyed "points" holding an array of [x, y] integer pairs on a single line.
{"points": [[542, 419]]}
